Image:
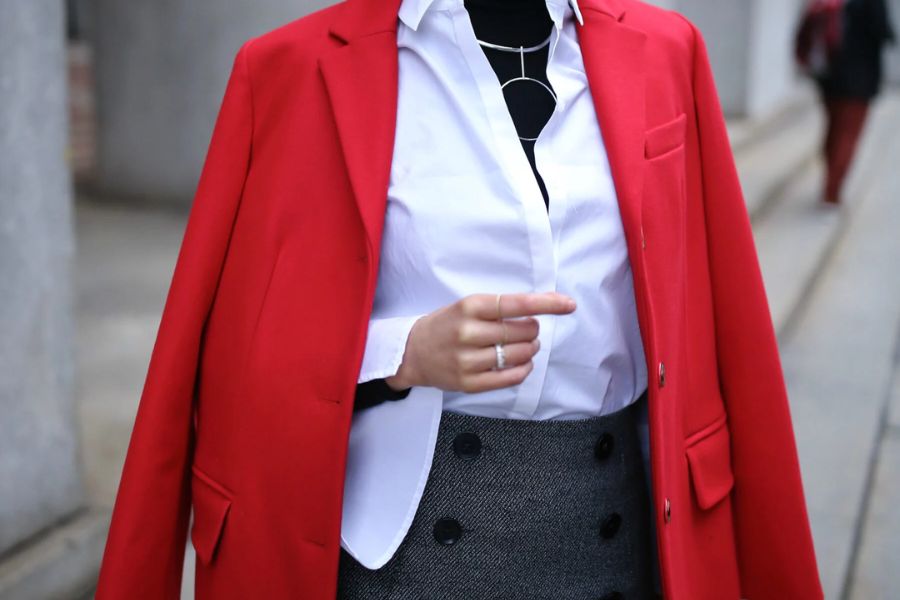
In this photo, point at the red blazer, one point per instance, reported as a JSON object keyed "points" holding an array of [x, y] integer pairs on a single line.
{"points": [[247, 403]]}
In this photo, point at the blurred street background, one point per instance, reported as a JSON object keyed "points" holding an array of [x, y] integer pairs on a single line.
{"points": [[106, 108]]}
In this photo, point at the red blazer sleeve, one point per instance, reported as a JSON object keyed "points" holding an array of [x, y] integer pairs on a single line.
{"points": [[145, 548], [774, 544]]}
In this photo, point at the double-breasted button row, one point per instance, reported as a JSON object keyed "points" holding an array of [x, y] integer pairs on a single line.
{"points": [[466, 446], [603, 449]]}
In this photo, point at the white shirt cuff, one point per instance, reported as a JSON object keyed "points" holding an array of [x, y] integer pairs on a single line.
{"points": [[385, 345]]}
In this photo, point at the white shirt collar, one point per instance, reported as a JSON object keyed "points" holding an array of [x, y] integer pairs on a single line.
{"points": [[412, 11]]}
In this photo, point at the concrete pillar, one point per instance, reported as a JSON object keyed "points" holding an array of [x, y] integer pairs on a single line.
{"points": [[161, 69], [751, 49], [40, 480]]}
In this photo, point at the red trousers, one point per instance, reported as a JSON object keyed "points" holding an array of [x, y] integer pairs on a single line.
{"points": [[846, 118]]}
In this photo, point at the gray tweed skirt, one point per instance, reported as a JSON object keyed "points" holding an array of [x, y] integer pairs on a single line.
{"points": [[526, 510]]}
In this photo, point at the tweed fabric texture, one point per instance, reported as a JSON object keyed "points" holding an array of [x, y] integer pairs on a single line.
{"points": [[523, 509]]}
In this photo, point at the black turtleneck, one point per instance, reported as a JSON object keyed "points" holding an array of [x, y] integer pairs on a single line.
{"points": [[518, 23], [507, 23]]}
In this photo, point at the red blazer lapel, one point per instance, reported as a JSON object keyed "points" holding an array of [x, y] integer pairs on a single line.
{"points": [[361, 80], [613, 55]]}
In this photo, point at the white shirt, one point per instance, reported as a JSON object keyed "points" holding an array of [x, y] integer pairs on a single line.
{"points": [[465, 215]]}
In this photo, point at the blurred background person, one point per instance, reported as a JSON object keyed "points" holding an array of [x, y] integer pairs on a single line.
{"points": [[840, 42]]}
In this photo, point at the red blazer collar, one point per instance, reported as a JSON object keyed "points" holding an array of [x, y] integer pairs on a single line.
{"points": [[359, 18], [612, 8]]}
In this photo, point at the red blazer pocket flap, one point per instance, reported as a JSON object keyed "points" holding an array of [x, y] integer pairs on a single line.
{"points": [[211, 503], [664, 138], [709, 461]]}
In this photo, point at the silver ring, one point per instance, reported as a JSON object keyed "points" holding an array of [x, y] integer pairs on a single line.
{"points": [[501, 357]]}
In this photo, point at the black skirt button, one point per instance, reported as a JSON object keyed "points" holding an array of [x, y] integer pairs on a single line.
{"points": [[447, 531], [467, 446], [610, 525], [604, 446]]}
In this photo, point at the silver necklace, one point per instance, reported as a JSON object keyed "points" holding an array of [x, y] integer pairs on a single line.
{"points": [[516, 48], [522, 50]]}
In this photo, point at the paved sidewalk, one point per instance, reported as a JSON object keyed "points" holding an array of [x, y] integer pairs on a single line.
{"points": [[839, 360]]}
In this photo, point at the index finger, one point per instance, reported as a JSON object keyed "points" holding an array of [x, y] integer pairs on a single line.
{"points": [[523, 304]]}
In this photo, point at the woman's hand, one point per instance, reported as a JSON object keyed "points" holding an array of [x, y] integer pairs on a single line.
{"points": [[452, 348]]}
